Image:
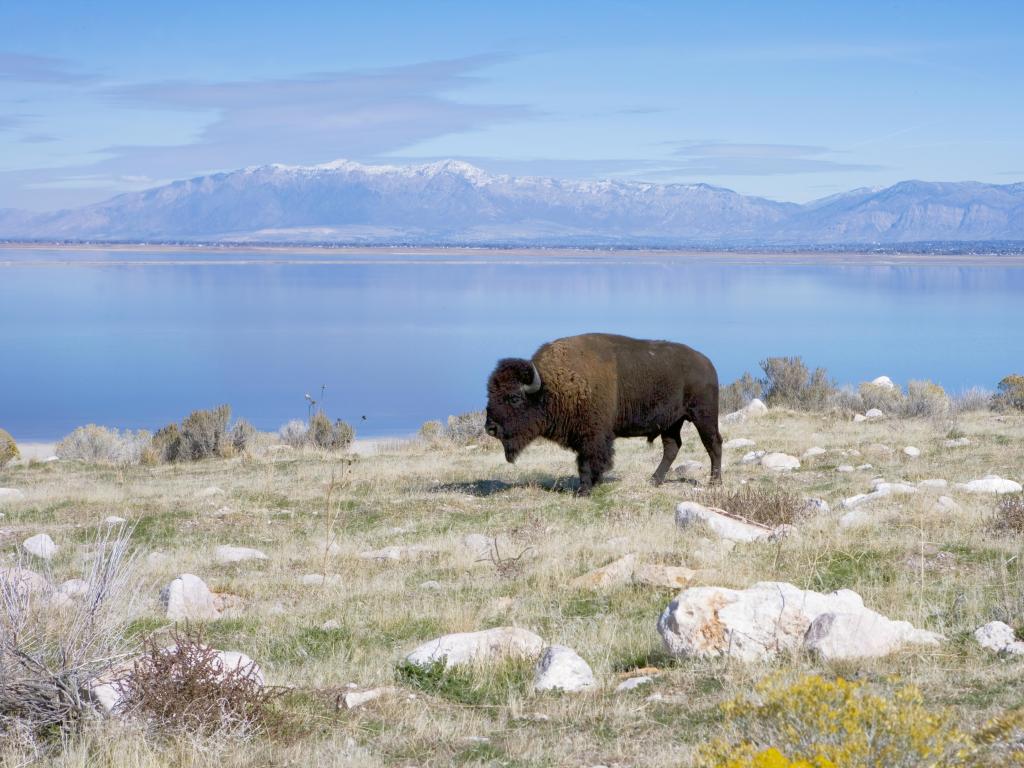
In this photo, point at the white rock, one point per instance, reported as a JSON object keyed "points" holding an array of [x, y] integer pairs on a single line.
{"points": [[780, 462], [187, 598], [354, 699], [11, 494], [752, 410], [990, 484], [158, 559], [74, 588], [225, 663], [616, 573], [883, 381], [912, 451], [40, 545], [897, 489], [864, 466], [478, 544], [945, 504], [209, 492], [958, 442], [477, 647], [395, 552], [22, 581], [633, 682], [1016, 648], [663, 576], [817, 506], [813, 451], [844, 468], [932, 483], [862, 634], [770, 618], [431, 585], [738, 442], [995, 636], [859, 417], [690, 512], [854, 518], [689, 469], [319, 579], [51, 459], [873, 414], [114, 520], [330, 624], [108, 695], [228, 554], [752, 456], [561, 668]]}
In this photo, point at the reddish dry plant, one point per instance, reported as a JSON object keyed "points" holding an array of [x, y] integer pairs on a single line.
{"points": [[186, 686], [1009, 515]]}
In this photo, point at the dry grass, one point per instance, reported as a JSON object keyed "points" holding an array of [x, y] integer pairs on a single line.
{"points": [[945, 571]]}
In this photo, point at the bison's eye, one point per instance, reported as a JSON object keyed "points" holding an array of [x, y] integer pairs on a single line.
{"points": [[515, 399]]}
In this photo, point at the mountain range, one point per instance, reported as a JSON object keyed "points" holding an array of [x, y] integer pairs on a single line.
{"points": [[455, 203]]}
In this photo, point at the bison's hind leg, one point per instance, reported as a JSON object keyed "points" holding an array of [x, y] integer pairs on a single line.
{"points": [[671, 440], [707, 428]]}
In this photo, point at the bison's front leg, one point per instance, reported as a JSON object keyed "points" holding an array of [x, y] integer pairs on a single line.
{"points": [[593, 461]]}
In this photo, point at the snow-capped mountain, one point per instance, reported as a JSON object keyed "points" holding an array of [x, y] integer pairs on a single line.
{"points": [[452, 202]]}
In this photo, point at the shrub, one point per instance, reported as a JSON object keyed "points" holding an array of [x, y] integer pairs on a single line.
{"points": [[185, 686], [1010, 392], [8, 448], [1009, 514], [332, 437], [770, 506], [889, 400], [847, 400], [466, 427], [48, 657], [788, 382], [431, 431], [243, 436], [204, 433], [925, 399], [973, 399], [819, 722], [166, 444], [294, 433], [98, 445], [739, 393]]}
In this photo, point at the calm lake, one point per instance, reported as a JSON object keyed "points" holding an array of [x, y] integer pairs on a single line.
{"points": [[140, 338]]}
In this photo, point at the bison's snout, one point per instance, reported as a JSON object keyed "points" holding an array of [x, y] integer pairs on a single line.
{"points": [[491, 428]]}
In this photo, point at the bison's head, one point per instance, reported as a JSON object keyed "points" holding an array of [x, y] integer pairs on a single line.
{"points": [[515, 412]]}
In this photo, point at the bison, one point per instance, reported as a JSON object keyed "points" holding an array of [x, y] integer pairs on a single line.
{"points": [[582, 392]]}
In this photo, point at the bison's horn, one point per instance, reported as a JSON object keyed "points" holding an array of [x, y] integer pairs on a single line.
{"points": [[534, 385]]}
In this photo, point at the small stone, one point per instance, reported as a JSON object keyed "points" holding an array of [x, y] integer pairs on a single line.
{"points": [[488, 645], [431, 585], [355, 699], [663, 576], [187, 598], [11, 494], [633, 682], [912, 451], [864, 467], [873, 414], [994, 636], [991, 484], [945, 504], [754, 409], [615, 573], [209, 492], [690, 512], [330, 624], [228, 554], [854, 518], [859, 417], [933, 483], [883, 381], [40, 545], [394, 553], [561, 668], [958, 442], [320, 580], [689, 469], [815, 506], [738, 442], [114, 520], [780, 462], [844, 468], [752, 456], [810, 453], [74, 588]]}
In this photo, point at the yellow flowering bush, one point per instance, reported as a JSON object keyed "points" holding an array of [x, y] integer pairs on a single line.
{"points": [[819, 723], [8, 448]]}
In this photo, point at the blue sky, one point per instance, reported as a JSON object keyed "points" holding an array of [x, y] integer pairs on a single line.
{"points": [[792, 101]]}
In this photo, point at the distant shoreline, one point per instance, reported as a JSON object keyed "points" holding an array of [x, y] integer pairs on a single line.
{"points": [[462, 254]]}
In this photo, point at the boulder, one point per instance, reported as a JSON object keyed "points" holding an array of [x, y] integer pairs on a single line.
{"points": [[353, 699], [752, 410], [690, 512], [895, 489], [883, 381], [431, 585], [780, 462], [22, 581], [873, 414], [561, 668], [40, 545], [859, 417], [768, 618], [912, 451], [738, 442], [862, 634], [11, 494], [228, 554], [663, 576], [816, 506], [488, 645], [812, 452], [187, 598], [990, 484]]}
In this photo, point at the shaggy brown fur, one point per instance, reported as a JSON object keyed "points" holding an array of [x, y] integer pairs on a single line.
{"points": [[596, 387]]}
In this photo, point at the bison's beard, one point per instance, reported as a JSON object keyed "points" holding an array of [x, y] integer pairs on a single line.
{"points": [[514, 446]]}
